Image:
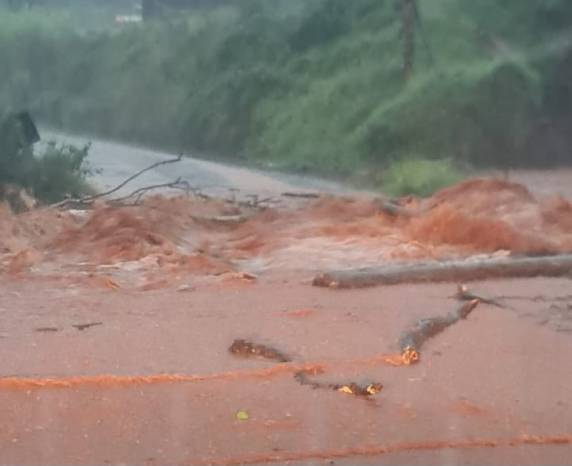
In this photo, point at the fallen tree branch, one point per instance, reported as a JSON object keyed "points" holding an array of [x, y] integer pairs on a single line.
{"points": [[387, 206], [412, 340], [397, 207], [464, 294], [449, 271], [393, 209], [302, 195], [537, 298], [86, 200], [179, 183], [249, 349], [132, 177], [223, 219]]}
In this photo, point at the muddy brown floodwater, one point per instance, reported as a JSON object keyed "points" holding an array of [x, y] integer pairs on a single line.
{"points": [[115, 326]]}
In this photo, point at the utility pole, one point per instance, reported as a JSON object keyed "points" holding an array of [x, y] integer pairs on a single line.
{"points": [[408, 14], [410, 23]]}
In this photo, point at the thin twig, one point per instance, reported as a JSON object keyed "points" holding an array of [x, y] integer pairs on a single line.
{"points": [[89, 199], [179, 183], [132, 177]]}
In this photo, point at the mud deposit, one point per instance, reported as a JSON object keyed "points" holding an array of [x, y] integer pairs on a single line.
{"points": [[181, 236], [143, 303]]}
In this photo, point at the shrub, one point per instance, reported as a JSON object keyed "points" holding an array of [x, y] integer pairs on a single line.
{"points": [[58, 172], [418, 176]]}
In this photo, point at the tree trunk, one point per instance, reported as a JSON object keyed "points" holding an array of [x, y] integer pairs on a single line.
{"points": [[449, 271]]}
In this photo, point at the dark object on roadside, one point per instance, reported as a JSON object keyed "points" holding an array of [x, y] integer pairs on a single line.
{"points": [[247, 348], [82, 327], [352, 388], [17, 131], [29, 129], [47, 329], [359, 390]]}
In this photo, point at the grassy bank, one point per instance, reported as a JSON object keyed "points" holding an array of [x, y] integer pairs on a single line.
{"points": [[307, 85]]}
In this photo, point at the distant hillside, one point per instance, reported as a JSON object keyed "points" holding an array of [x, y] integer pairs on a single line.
{"points": [[310, 85]]}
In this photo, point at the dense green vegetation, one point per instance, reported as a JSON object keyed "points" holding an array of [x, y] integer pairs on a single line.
{"points": [[308, 85]]}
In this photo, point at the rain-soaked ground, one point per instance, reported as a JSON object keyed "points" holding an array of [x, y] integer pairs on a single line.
{"points": [[115, 326], [482, 391]]}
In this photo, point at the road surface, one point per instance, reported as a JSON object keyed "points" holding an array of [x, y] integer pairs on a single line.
{"points": [[115, 162]]}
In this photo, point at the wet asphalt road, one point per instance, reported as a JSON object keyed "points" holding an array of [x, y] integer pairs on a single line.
{"points": [[115, 162]]}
